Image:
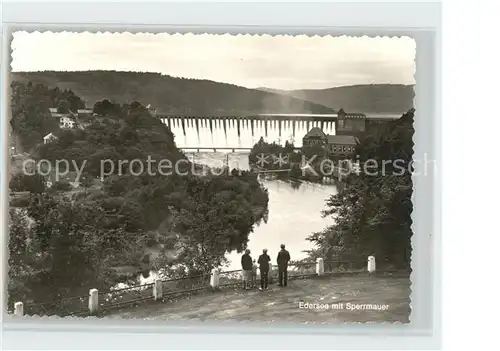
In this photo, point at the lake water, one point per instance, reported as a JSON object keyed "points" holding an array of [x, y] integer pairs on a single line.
{"points": [[294, 214]]}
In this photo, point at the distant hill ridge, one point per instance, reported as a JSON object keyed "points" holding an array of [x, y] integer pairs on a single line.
{"points": [[171, 95], [193, 96], [366, 98]]}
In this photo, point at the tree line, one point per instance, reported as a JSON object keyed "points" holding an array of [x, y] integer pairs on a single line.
{"points": [[64, 242], [371, 214], [175, 95], [371, 211], [313, 156], [31, 119]]}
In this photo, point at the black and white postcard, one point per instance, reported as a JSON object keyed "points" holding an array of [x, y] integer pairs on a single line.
{"points": [[207, 177]]}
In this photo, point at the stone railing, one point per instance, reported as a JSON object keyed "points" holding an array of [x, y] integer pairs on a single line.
{"points": [[161, 289]]}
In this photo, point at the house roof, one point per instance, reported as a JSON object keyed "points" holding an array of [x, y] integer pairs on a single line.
{"points": [[51, 135], [85, 110], [341, 139], [315, 132], [55, 114]]}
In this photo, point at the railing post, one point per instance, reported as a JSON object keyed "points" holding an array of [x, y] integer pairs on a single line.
{"points": [[214, 278], [270, 274], [320, 267], [19, 309], [158, 289], [93, 301], [371, 264]]}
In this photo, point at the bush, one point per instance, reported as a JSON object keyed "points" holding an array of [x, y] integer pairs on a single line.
{"points": [[19, 202], [61, 186]]}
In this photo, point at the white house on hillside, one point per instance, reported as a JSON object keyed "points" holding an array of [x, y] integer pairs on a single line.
{"points": [[49, 137], [66, 120]]}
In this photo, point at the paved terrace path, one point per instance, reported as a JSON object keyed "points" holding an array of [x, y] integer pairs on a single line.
{"points": [[282, 304]]}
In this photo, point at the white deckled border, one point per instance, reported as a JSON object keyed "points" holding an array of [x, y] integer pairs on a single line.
{"points": [[353, 17]]}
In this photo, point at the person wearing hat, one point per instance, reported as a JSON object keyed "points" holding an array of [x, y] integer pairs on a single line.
{"points": [[283, 259], [263, 262]]}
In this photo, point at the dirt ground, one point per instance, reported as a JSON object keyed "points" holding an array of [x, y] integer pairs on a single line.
{"points": [[334, 297]]}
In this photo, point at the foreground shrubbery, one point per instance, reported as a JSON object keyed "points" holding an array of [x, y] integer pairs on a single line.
{"points": [[372, 212], [62, 244], [295, 160]]}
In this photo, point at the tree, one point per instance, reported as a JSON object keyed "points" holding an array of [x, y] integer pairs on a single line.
{"points": [[107, 108], [31, 119], [216, 219], [86, 180], [74, 240], [295, 173], [61, 186], [22, 182], [63, 106], [71, 243], [74, 101], [372, 212], [20, 256]]}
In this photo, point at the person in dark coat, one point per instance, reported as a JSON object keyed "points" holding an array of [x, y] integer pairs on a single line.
{"points": [[283, 259], [263, 262], [246, 266]]}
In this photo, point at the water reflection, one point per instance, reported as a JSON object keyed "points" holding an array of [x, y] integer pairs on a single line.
{"points": [[294, 213]]}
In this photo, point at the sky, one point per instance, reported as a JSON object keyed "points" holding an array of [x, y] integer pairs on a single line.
{"points": [[279, 62]]}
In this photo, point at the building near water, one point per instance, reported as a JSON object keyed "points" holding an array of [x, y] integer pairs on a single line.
{"points": [[314, 137], [350, 123], [341, 146], [335, 145]]}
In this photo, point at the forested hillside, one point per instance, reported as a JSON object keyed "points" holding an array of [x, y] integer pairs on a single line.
{"points": [[370, 98], [170, 94], [66, 239]]}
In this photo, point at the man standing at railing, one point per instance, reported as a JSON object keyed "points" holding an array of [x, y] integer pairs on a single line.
{"points": [[263, 262], [283, 259], [246, 266]]}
